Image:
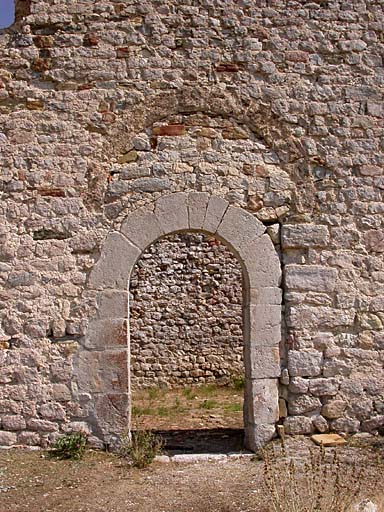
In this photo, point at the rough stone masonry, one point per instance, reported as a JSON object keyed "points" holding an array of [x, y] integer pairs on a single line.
{"points": [[267, 115]]}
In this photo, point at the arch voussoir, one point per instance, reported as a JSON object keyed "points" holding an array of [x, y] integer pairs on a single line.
{"points": [[142, 227], [116, 261], [197, 209], [171, 212], [239, 227]]}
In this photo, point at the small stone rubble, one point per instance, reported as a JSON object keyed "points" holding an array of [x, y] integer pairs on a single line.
{"points": [[186, 314]]}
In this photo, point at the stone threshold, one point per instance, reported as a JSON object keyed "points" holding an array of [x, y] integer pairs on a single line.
{"points": [[203, 457]]}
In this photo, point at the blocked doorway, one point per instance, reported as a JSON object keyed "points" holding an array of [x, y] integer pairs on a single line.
{"points": [[186, 344], [103, 363]]}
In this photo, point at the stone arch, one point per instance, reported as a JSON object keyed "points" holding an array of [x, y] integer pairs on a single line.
{"points": [[103, 364]]}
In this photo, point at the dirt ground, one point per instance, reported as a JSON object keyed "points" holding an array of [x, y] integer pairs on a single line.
{"points": [[205, 407], [29, 481]]}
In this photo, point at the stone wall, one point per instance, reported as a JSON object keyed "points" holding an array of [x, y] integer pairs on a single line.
{"points": [[186, 314], [275, 106]]}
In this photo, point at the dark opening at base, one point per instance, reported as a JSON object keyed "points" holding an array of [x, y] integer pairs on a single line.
{"points": [[218, 440]]}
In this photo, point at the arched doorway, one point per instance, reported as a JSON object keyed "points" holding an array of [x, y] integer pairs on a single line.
{"points": [[103, 362]]}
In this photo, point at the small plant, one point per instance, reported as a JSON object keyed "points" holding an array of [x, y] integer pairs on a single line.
{"points": [[233, 407], [208, 390], [138, 410], [140, 448], [162, 411], [322, 483], [70, 446], [177, 406], [208, 404], [188, 393], [238, 382]]}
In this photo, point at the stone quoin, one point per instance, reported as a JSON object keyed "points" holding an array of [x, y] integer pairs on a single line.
{"points": [[255, 123]]}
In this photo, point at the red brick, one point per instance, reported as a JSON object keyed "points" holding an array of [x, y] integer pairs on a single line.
{"points": [[169, 129]]}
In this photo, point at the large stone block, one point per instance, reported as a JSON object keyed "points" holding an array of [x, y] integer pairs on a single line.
{"points": [[172, 212], [257, 436], [239, 227], [304, 235], [264, 325], [261, 263], [214, 213], [267, 295], [112, 415], [261, 404], [115, 264], [142, 228], [102, 371], [310, 277], [107, 333], [112, 304], [262, 362], [197, 207], [296, 425], [7, 438], [304, 363], [302, 404]]}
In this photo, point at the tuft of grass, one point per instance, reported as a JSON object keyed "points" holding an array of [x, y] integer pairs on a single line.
{"points": [[233, 407], [140, 448], [208, 404], [189, 393], [162, 411], [138, 410], [208, 390], [238, 382], [70, 446], [177, 407]]}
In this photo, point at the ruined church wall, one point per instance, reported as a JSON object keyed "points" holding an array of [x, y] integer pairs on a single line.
{"points": [[275, 106]]}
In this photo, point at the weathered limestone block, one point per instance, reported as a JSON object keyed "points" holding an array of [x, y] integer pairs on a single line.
{"points": [[266, 295], [346, 425], [262, 401], [374, 423], [302, 404], [256, 436], [304, 235], [321, 424], [197, 207], [264, 325], [305, 277], [298, 385], [108, 333], [113, 268], [322, 387], [262, 362], [296, 425], [28, 438], [51, 411], [337, 366], [41, 425], [319, 317], [7, 438], [102, 371], [214, 214], [142, 228], [262, 264], [304, 363], [112, 304], [13, 423], [334, 409], [111, 411], [171, 212], [239, 227]]}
